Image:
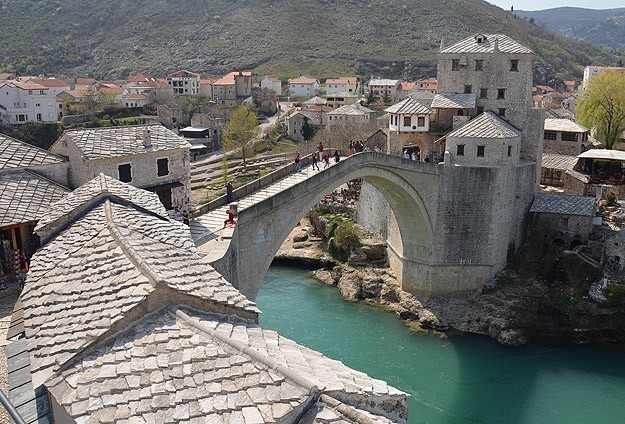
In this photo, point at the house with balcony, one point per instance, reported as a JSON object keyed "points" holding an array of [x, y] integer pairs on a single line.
{"points": [[146, 156], [184, 83], [337, 100], [24, 102], [383, 89]]}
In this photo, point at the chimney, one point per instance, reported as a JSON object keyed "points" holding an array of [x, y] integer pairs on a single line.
{"points": [[147, 139]]}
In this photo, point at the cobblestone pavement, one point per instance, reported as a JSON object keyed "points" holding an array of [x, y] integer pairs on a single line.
{"points": [[6, 307]]}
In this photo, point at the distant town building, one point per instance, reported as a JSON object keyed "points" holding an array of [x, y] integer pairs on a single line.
{"points": [[184, 83], [272, 83], [591, 71], [303, 86], [383, 89], [337, 100], [23, 102], [232, 88], [350, 114], [565, 137], [341, 85]]}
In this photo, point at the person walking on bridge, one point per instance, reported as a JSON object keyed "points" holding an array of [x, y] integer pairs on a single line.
{"points": [[320, 150], [315, 162], [298, 163], [326, 160]]}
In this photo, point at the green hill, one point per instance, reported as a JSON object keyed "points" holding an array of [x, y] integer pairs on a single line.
{"points": [[394, 38], [601, 27]]}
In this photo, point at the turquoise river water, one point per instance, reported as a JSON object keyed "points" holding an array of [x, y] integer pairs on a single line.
{"points": [[459, 379]]}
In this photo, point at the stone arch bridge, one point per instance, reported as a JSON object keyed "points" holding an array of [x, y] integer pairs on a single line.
{"points": [[450, 228]]}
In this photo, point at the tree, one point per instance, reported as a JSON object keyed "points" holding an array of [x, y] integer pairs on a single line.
{"points": [[602, 107], [307, 129], [240, 131]]}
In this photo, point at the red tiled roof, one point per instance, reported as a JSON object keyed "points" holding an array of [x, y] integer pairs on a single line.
{"points": [[323, 109], [569, 83], [545, 88], [84, 81], [23, 85], [406, 86], [228, 79], [182, 73], [49, 82], [342, 80], [303, 80], [138, 77]]}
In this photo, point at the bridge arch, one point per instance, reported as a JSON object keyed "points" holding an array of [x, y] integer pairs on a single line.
{"points": [[409, 187]]}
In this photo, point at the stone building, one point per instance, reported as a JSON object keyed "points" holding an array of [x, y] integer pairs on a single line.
{"points": [[409, 127], [565, 137], [122, 322], [184, 83], [30, 180], [563, 219], [146, 156], [350, 114], [383, 89]]}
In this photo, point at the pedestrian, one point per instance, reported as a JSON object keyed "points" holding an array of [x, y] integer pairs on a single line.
{"points": [[229, 192], [350, 148], [230, 219], [298, 163], [320, 150], [337, 157], [326, 160], [414, 155], [315, 162], [185, 217], [406, 154]]}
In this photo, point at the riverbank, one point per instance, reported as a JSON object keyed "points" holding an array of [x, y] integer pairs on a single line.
{"points": [[515, 309]]}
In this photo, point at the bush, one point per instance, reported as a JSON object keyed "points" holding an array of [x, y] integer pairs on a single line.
{"points": [[611, 199], [615, 295]]}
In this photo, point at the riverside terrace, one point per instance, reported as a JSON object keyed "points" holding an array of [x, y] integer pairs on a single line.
{"points": [[122, 322]]}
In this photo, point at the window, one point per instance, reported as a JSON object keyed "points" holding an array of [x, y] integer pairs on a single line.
{"points": [[421, 121], [39, 117], [407, 121], [125, 173], [163, 167], [509, 151], [501, 93], [479, 65], [483, 93], [21, 118], [460, 150], [514, 65], [569, 136], [550, 135], [468, 89], [38, 104], [455, 64], [480, 151], [502, 111]]}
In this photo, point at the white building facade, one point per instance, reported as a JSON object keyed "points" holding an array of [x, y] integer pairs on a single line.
{"points": [[26, 102]]}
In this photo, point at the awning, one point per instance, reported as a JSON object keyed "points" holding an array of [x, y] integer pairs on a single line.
{"points": [[603, 154], [198, 146], [164, 186]]}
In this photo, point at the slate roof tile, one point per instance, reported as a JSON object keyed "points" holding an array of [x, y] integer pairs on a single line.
{"points": [[505, 44], [563, 204], [486, 125], [409, 106], [99, 143], [25, 196], [16, 154]]}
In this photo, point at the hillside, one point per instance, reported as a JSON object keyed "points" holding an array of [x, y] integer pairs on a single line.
{"points": [[600, 27], [397, 38]]}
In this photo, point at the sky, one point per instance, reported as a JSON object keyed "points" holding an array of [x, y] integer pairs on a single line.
{"points": [[550, 4]]}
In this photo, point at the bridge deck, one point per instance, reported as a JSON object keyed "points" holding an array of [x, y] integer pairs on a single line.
{"points": [[208, 232]]}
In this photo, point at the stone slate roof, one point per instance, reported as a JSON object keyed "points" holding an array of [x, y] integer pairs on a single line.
{"points": [[564, 125], [93, 192], [180, 364], [25, 196], [556, 161], [563, 204], [16, 154], [99, 143], [409, 106], [454, 101], [486, 125], [110, 264], [504, 43], [355, 109]]}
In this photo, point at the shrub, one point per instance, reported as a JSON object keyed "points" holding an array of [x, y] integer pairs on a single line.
{"points": [[615, 295]]}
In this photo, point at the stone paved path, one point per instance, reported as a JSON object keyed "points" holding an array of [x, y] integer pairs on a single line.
{"points": [[208, 230]]}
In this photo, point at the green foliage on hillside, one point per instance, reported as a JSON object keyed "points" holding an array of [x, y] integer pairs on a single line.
{"points": [[325, 38]]}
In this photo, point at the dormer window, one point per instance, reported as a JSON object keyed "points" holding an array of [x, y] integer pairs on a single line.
{"points": [[480, 38]]}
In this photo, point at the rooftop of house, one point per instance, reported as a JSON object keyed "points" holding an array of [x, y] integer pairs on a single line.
{"points": [[23, 85], [317, 109], [406, 86], [342, 81], [383, 82], [49, 82], [183, 74], [79, 93], [562, 124], [454, 101], [353, 109], [16, 154], [303, 80], [341, 94], [315, 101], [486, 125], [409, 106], [99, 143], [557, 161], [25, 196], [138, 77], [487, 43], [122, 319], [563, 204], [230, 78]]}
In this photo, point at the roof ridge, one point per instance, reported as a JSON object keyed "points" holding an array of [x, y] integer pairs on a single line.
{"points": [[271, 363]]}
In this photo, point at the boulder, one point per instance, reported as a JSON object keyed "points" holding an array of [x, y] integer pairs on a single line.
{"points": [[301, 236]]}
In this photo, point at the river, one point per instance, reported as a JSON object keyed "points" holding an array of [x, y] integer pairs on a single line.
{"points": [[456, 379]]}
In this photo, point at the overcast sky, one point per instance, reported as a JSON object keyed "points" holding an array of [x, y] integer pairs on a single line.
{"points": [[550, 4]]}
